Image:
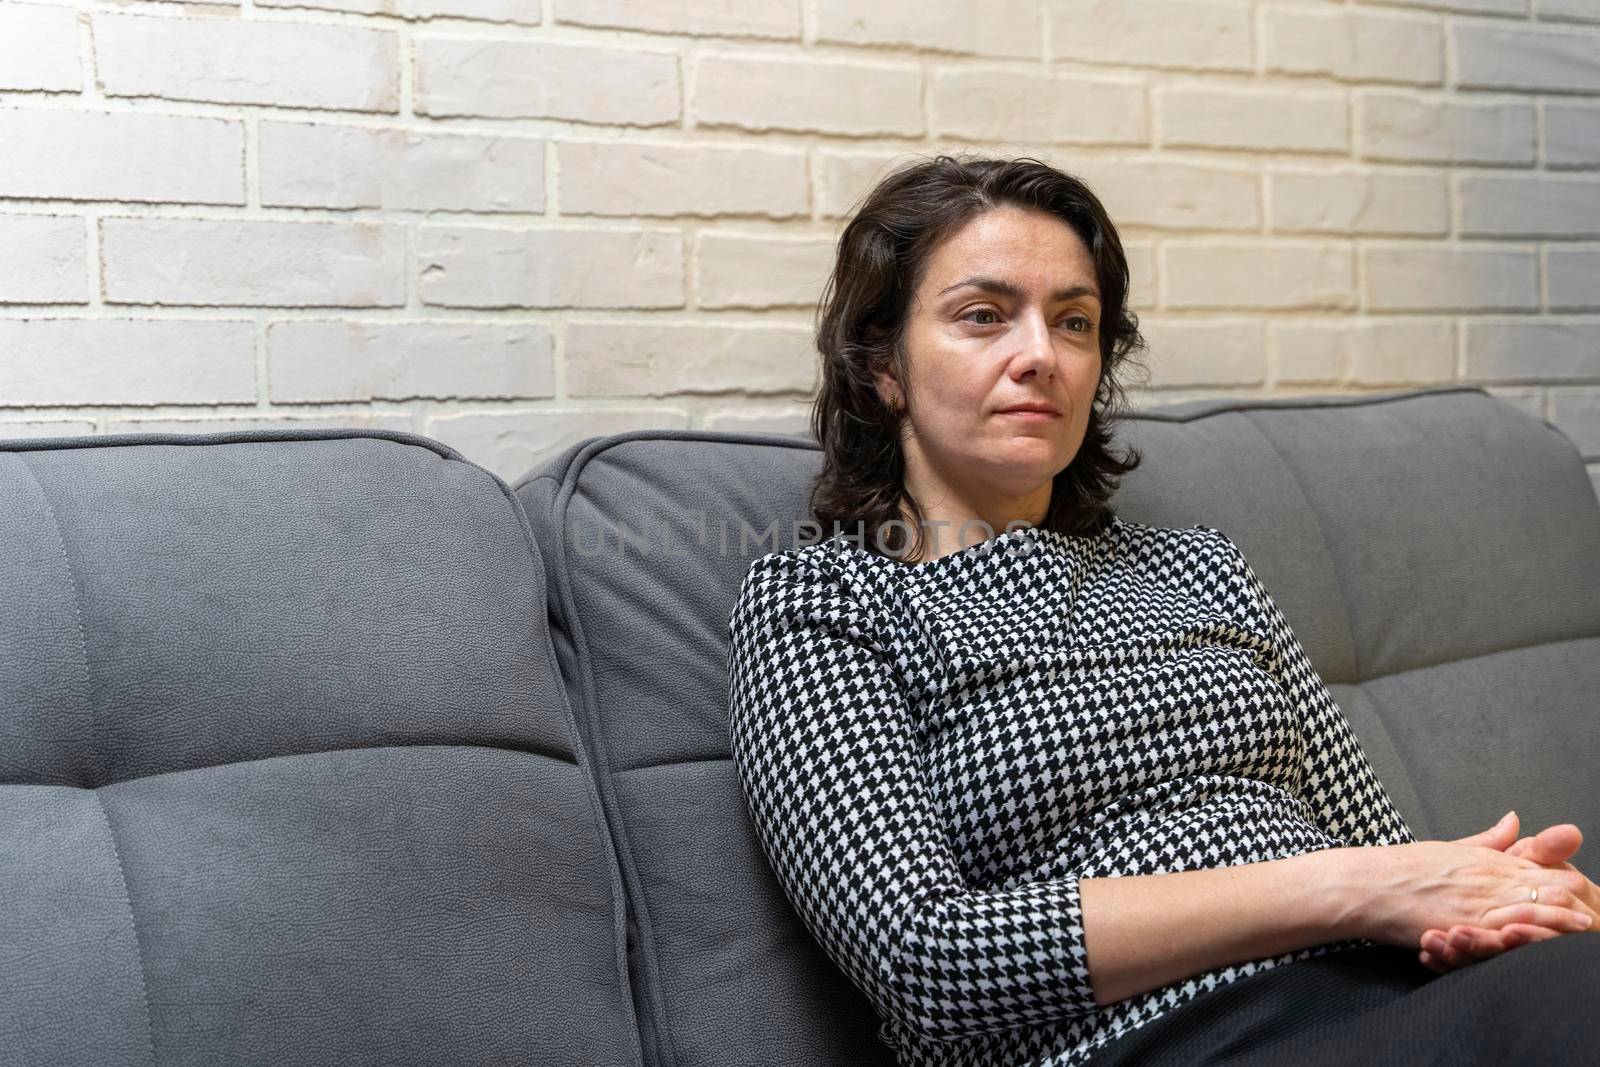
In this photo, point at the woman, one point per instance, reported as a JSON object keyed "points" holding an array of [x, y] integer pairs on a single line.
{"points": [[1073, 792]]}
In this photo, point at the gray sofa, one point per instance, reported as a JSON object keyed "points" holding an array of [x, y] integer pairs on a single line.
{"points": [[332, 747]]}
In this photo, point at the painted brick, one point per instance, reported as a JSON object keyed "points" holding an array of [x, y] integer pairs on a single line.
{"points": [[788, 419], [1533, 60], [992, 104], [736, 271], [1472, 7], [397, 360], [619, 178], [844, 177], [39, 48], [650, 358], [1577, 10], [1311, 352], [546, 80], [52, 362], [1522, 351], [1573, 278], [768, 93], [1575, 411], [1571, 133], [45, 260], [993, 28], [1494, 205], [1409, 278], [397, 168], [1391, 352], [364, 420], [1359, 202], [1148, 191], [484, 267], [265, 263], [1414, 129], [1217, 274], [1142, 288], [1183, 352], [33, 429], [1188, 34], [229, 61], [750, 18], [55, 153], [521, 12], [1353, 45], [1272, 120]]}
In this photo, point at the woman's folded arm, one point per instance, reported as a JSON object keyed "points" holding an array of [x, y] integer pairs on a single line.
{"points": [[825, 752], [1147, 931]]}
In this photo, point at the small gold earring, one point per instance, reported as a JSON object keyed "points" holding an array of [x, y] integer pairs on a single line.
{"points": [[894, 401]]}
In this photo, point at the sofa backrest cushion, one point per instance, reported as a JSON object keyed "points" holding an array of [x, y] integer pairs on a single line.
{"points": [[288, 774], [1437, 551]]}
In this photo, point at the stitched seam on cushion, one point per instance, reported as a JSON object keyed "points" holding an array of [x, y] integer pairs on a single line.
{"points": [[666, 1044], [138, 946], [264, 435], [587, 771], [83, 645], [362, 746], [77, 616], [580, 755], [1239, 405]]}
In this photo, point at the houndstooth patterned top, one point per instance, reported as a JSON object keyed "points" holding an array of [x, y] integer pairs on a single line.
{"points": [[934, 754]]}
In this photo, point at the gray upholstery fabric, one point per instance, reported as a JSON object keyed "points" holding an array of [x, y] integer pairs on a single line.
{"points": [[1437, 551], [292, 768], [286, 771]]}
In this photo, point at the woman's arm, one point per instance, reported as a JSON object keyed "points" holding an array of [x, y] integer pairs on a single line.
{"points": [[825, 753], [1149, 930]]}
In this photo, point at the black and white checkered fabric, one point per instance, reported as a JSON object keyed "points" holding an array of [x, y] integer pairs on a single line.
{"points": [[934, 755]]}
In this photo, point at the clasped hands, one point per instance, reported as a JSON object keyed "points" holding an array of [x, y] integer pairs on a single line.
{"points": [[1446, 950]]}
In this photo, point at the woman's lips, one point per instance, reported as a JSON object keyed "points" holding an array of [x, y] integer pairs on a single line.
{"points": [[1022, 413]]}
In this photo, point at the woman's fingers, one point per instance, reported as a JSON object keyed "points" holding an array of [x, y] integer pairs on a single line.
{"points": [[1461, 946], [1558, 909], [1526, 934], [1446, 950], [1474, 944]]}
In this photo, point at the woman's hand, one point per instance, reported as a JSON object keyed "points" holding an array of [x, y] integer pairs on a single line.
{"points": [[1446, 950], [1402, 894]]}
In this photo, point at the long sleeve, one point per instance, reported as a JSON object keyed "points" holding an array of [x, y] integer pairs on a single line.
{"points": [[826, 755], [1339, 782]]}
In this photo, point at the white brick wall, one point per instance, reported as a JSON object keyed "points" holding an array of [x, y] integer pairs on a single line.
{"points": [[512, 224]]}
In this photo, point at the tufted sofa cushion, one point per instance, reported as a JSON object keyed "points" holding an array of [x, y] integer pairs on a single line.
{"points": [[286, 772], [1437, 550]]}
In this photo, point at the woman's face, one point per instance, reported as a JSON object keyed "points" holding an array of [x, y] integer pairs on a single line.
{"points": [[1007, 313]]}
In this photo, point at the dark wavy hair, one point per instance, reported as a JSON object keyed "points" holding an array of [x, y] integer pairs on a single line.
{"points": [[881, 259]]}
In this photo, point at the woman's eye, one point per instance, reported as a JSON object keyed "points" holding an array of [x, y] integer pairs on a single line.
{"points": [[1088, 325]]}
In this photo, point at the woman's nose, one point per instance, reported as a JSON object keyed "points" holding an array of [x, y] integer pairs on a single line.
{"points": [[1037, 348]]}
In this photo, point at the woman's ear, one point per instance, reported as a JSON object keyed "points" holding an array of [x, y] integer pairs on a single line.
{"points": [[889, 391]]}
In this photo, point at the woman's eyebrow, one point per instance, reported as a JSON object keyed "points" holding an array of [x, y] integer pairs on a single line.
{"points": [[1004, 288]]}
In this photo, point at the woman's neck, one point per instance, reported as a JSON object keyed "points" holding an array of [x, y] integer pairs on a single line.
{"points": [[949, 527]]}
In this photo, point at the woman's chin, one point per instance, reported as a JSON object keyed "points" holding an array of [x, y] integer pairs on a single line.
{"points": [[1036, 450]]}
